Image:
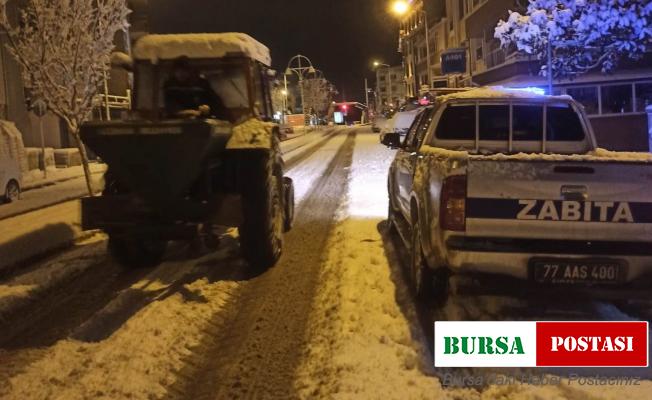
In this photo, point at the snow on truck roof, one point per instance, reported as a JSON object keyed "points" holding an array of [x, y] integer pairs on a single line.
{"points": [[499, 92], [200, 45]]}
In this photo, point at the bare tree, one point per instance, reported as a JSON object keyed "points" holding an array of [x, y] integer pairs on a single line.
{"points": [[317, 95], [64, 49]]}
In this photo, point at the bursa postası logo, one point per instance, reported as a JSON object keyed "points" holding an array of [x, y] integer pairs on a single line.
{"points": [[541, 344]]}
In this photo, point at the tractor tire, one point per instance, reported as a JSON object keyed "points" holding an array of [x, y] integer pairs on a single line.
{"points": [[261, 232]]}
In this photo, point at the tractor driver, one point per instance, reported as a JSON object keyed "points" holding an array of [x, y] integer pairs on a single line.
{"points": [[188, 94]]}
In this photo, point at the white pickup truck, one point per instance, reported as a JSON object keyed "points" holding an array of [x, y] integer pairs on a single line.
{"points": [[508, 186]]}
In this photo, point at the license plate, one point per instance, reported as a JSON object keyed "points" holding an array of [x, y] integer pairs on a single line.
{"points": [[578, 271]]}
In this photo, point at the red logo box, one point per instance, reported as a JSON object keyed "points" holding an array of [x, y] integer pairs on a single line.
{"points": [[592, 344]]}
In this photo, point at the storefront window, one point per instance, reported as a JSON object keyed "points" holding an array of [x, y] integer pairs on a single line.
{"points": [[643, 96], [617, 99], [587, 96]]}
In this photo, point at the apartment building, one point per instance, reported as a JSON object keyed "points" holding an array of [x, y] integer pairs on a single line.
{"points": [[14, 100], [445, 30], [615, 103], [390, 84]]}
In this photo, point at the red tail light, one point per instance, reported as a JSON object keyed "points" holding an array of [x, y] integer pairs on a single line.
{"points": [[452, 211]]}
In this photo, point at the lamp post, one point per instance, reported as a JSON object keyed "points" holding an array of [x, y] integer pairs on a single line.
{"points": [[378, 64], [284, 92], [302, 66], [401, 8]]}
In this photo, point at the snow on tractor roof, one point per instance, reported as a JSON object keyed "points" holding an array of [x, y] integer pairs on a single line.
{"points": [[200, 45], [500, 92]]}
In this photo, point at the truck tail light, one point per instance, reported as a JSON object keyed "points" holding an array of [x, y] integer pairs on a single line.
{"points": [[452, 211]]}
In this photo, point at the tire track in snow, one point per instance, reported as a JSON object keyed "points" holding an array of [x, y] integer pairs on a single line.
{"points": [[294, 161], [263, 339]]}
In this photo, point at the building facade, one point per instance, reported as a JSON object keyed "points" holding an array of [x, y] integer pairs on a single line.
{"points": [[391, 87], [615, 103], [14, 100]]}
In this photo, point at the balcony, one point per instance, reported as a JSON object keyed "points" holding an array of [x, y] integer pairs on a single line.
{"points": [[495, 58]]}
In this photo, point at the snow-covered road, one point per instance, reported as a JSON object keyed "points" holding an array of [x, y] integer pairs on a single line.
{"points": [[333, 319]]}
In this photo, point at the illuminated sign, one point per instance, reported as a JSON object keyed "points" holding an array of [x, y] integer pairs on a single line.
{"points": [[453, 61]]}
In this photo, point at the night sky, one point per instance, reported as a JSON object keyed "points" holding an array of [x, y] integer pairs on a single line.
{"points": [[341, 37]]}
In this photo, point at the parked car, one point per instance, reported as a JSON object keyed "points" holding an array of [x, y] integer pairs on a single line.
{"points": [[401, 121], [478, 189], [10, 176]]}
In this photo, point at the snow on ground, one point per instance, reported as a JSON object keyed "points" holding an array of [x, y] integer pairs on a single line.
{"points": [[142, 357], [30, 285], [363, 346], [306, 173], [173, 308], [28, 235]]}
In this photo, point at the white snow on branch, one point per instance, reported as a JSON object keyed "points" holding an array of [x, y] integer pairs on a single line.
{"points": [[584, 34]]}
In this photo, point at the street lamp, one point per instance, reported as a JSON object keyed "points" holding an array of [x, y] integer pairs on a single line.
{"points": [[401, 8], [302, 66], [377, 65]]}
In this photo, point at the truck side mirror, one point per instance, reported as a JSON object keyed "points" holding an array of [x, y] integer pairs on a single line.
{"points": [[391, 140]]}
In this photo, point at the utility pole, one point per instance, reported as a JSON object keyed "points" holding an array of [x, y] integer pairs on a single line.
{"points": [[389, 80], [550, 83], [40, 109], [285, 97], [366, 93]]}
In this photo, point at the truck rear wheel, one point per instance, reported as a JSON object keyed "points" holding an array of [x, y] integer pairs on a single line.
{"points": [[261, 233], [137, 253], [429, 286]]}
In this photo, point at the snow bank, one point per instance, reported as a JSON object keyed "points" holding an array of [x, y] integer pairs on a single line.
{"points": [[200, 45]]}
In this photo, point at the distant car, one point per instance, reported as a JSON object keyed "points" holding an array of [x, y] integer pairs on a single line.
{"points": [[9, 175]]}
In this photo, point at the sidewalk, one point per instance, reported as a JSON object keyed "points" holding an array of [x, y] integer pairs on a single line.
{"points": [[60, 186], [34, 179]]}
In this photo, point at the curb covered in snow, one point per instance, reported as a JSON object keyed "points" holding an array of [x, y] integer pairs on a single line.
{"points": [[34, 235]]}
